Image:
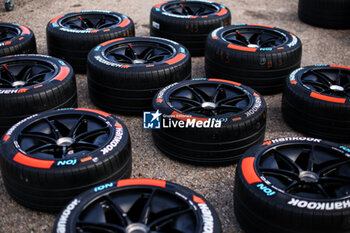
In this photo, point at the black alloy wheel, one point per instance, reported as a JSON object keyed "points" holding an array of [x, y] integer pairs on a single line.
{"points": [[8, 33], [306, 170], [91, 21], [139, 206], [25, 73], [139, 53], [334, 82], [284, 183], [210, 99], [64, 136], [254, 38], [49, 158], [191, 8]]}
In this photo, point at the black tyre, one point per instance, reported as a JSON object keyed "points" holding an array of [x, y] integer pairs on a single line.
{"points": [[293, 185], [188, 22], [49, 158], [124, 74], [325, 13], [138, 206], [72, 36], [256, 55], [16, 39], [223, 120], [31, 84], [316, 101]]}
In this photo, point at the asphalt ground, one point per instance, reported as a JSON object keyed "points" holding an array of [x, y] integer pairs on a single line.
{"points": [[320, 46]]}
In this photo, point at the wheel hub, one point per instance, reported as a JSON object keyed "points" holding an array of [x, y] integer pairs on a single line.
{"points": [[137, 228], [253, 46], [208, 105], [18, 84], [65, 141], [336, 88], [139, 61], [308, 177]]}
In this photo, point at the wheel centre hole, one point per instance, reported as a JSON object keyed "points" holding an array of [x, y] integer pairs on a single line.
{"points": [[137, 228], [308, 177], [208, 105], [336, 88], [18, 83], [65, 141], [139, 61], [253, 46]]}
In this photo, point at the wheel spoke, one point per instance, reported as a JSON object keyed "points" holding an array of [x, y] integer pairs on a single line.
{"points": [[123, 217], [129, 52], [218, 91], [25, 73], [192, 108], [229, 107], [40, 148], [318, 84], [322, 190], [311, 160], [38, 135], [100, 22], [286, 160], [183, 99], [100, 227], [280, 173], [268, 41], [147, 208], [321, 76], [328, 169], [196, 94], [85, 145], [174, 213], [54, 129], [335, 179], [81, 123], [90, 134], [231, 100], [292, 187], [122, 58]]}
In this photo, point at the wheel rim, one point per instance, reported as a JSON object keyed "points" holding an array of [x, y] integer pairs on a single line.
{"points": [[25, 73], [191, 9], [335, 82], [64, 136], [209, 99], [137, 210], [139, 53], [7, 33], [90, 21], [307, 170], [254, 38]]}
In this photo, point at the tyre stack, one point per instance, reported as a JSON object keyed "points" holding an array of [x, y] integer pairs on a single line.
{"points": [[220, 120], [49, 158], [316, 101], [16, 39], [188, 22], [32, 84], [72, 36], [124, 74], [258, 56], [167, 207], [293, 184]]}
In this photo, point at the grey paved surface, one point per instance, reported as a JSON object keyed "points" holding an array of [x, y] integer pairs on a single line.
{"points": [[320, 46]]}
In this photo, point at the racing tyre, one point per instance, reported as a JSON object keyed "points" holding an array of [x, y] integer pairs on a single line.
{"points": [[72, 36], [256, 55], [325, 13], [293, 185], [138, 206], [316, 101], [124, 74], [31, 84], [49, 158], [188, 22], [16, 39], [208, 121]]}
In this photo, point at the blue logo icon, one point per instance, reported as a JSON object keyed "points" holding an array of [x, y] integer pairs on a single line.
{"points": [[151, 120]]}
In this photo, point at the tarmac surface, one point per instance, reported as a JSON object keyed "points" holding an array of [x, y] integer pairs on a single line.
{"points": [[320, 46]]}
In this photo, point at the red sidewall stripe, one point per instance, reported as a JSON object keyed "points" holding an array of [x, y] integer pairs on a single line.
{"points": [[32, 162], [248, 170], [150, 182]]}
